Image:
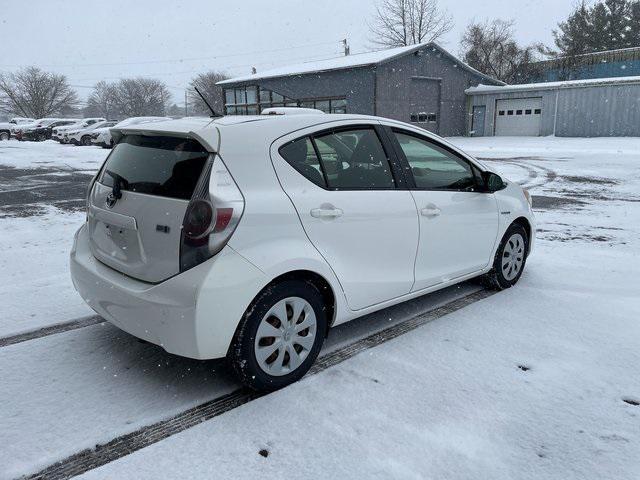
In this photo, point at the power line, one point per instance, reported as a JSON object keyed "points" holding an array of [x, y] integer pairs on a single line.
{"points": [[147, 62], [193, 70]]}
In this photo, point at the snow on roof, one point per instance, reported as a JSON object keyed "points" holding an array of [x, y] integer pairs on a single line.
{"points": [[481, 89], [348, 61]]}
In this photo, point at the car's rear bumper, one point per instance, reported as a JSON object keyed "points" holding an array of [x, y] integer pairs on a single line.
{"points": [[194, 314]]}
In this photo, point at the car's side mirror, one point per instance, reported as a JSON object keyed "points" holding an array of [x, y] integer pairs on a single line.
{"points": [[492, 182]]}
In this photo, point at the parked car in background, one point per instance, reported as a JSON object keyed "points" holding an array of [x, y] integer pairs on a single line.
{"points": [[20, 130], [58, 133], [82, 135], [44, 132], [6, 128], [191, 246], [103, 135]]}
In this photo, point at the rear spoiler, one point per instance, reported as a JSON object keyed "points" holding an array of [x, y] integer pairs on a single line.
{"points": [[209, 138]]}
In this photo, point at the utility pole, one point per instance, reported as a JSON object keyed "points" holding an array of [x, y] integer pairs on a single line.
{"points": [[186, 111], [347, 49]]}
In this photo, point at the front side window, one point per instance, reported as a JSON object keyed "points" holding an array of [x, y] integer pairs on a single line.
{"points": [[354, 159], [433, 167]]}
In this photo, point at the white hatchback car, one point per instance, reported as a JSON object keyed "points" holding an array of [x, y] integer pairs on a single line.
{"points": [[249, 237]]}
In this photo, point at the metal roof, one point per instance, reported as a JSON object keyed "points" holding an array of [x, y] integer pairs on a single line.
{"points": [[352, 61]]}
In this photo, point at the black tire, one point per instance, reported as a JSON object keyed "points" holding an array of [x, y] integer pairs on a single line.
{"points": [[242, 352], [496, 278], [85, 141], [5, 136]]}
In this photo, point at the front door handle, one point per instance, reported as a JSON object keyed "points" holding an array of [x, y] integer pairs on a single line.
{"points": [[430, 211], [326, 212]]}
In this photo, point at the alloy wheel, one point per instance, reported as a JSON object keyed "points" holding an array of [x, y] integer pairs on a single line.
{"points": [[285, 336]]}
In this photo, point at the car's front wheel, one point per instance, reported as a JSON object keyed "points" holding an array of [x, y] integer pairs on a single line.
{"points": [[510, 258], [280, 336], [86, 141], [4, 136]]}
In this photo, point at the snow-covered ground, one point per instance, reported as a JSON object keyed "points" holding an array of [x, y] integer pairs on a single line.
{"points": [[529, 383], [35, 288]]}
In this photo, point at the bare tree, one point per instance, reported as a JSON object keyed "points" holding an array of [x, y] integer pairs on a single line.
{"points": [[490, 47], [32, 92], [408, 22], [206, 83], [138, 97], [103, 101]]}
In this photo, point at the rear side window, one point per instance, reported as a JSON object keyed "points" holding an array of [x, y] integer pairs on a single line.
{"points": [[354, 160], [162, 166], [301, 155]]}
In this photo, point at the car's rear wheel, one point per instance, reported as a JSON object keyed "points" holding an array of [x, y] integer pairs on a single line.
{"points": [[279, 336], [510, 259], [86, 141], [4, 136]]}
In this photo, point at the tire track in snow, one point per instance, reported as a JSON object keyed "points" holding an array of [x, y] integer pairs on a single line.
{"points": [[51, 330], [119, 447]]}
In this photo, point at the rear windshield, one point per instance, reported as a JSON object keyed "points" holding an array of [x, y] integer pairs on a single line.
{"points": [[162, 166]]}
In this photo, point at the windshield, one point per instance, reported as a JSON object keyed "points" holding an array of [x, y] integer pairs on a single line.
{"points": [[162, 166]]}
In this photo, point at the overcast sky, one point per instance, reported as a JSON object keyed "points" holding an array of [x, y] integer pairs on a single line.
{"points": [[105, 40]]}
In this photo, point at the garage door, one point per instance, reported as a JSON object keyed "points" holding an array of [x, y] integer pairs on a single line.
{"points": [[518, 117]]}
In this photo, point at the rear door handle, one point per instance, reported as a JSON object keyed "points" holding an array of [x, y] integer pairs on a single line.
{"points": [[432, 211], [325, 212]]}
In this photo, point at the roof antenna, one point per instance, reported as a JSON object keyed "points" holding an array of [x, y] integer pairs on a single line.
{"points": [[213, 112]]}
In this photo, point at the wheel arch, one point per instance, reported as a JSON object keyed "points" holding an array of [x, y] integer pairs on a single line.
{"points": [[524, 223], [318, 281]]}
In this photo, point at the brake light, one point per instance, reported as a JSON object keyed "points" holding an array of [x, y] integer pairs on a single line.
{"points": [[223, 217]]}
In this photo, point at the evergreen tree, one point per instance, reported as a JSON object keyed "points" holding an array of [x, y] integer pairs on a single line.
{"points": [[607, 25]]}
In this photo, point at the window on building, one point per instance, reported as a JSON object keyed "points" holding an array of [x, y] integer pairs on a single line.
{"points": [[354, 159], [424, 117], [518, 112], [332, 105], [252, 95], [339, 105], [251, 100], [265, 95], [527, 111], [509, 112], [501, 112], [537, 111]]}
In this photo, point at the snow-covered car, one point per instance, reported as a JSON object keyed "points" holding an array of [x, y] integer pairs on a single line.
{"points": [[82, 135], [57, 134], [44, 132], [18, 130], [6, 128], [249, 237], [102, 136]]}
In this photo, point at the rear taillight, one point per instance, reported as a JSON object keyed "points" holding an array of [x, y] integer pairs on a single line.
{"points": [[212, 215], [197, 220]]}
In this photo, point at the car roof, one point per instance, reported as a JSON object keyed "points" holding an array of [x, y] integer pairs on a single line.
{"points": [[210, 130]]}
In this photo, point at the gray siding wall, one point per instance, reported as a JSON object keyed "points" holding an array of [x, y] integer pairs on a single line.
{"points": [[401, 92], [357, 85], [595, 111]]}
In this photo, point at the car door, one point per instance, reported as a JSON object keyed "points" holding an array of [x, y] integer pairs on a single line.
{"points": [[349, 195], [458, 220]]}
